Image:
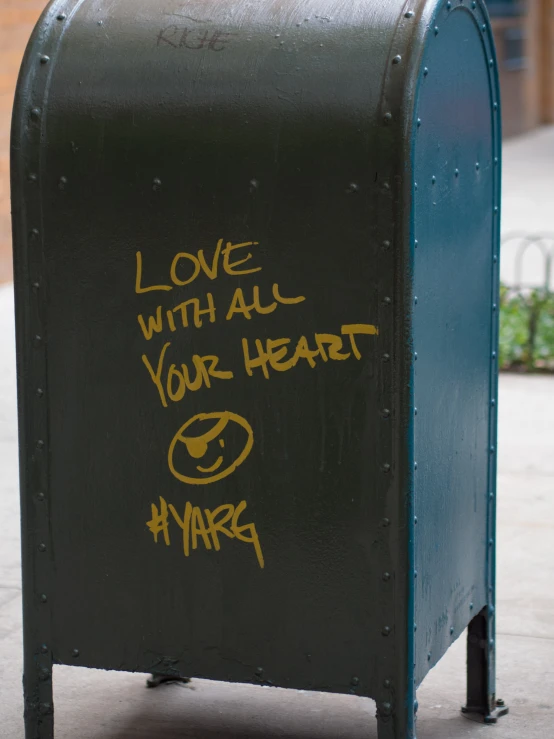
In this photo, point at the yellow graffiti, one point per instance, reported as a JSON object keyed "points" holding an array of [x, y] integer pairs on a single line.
{"points": [[178, 381], [239, 305], [195, 311], [206, 527], [327, 346], [194, 445], [186, 267]]}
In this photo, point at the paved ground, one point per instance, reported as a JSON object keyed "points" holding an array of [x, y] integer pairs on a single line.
{"points": [[95, 705]]}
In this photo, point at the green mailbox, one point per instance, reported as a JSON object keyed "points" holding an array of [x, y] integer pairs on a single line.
{"points": [[256, 265]]}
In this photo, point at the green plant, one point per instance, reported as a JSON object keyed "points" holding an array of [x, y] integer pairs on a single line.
{"points": [[526, 339]]}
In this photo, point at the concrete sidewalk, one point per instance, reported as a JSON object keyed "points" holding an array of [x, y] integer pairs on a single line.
{"points": [[96, 705]]}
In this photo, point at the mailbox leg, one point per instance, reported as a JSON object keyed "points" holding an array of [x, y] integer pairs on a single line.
{"points": [[38, 697], [481, 698], [399, 725]]}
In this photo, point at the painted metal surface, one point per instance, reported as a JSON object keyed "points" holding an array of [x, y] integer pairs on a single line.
{"points": [[214, 224]]}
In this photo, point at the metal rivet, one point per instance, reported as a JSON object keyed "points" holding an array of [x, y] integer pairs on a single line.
{"points": [[156, 184], [100, 23], [415, 627], [451, 630], [38, 339], [456, 173], [61, 16], [415, 465], [36, 286], [416, 243], [386, 467], [40, 392], [259, 671], [355, 681], [448, 5], [484, 27], [386, 244], [385, 413], [491, 496], [416, 706], [40, 444], [471, 606], [415, 573], [492, 450], [44, 59], [415, 356], [409, 14], [386, 357], [491, 610], [32, 177], [40, 497], [418, 122], [493, 307], [477, 165], [387, 118], [397, 59], [62, 183], [415, 300], [494, 355], [415, 185], [436, 30], [387, 684], [386, 631], [496, 160], [44, 597], [34, 233], [491, 542], [385, 522], [473, 4], [386, 708], [425, 71], [493, 402], [75, 653], [387, 301], [433, 180], [495, 259], [428, 656], [42, 547], [491, 643], [386, 576], [352, 187], [44, 649], [386, 186], [495, 106], [254, 184], [35, 114], [415, 520], [491, 62], [415, 411]]}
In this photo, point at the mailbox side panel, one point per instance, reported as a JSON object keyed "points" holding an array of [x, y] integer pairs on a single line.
{"points": [[456, 231]]}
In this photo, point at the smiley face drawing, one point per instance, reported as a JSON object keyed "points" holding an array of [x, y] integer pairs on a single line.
{"points": [[203, 439]]}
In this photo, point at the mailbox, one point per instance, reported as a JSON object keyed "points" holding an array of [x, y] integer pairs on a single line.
{"points": [[256, 266]]}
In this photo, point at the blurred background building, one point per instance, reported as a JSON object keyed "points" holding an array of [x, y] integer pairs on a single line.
{"points": [[524, 31]]}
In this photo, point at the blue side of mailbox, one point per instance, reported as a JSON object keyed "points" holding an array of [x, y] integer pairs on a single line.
{"points": [[455, 295]]}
